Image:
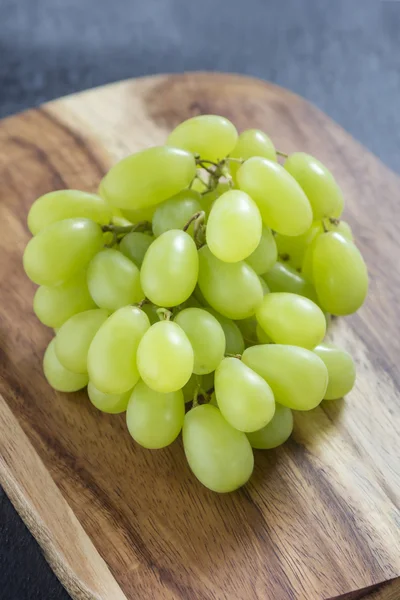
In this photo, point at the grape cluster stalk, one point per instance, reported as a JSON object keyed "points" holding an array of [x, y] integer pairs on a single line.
{"points": [[194, 291]]}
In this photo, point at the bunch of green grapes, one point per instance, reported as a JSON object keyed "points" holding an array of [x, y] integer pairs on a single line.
{"points": [[194, 291]]}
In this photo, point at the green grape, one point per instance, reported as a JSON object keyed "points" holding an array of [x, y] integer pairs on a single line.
{"points": [[135, 245], [264, 256], [252, 142], [197, 295], [140, 214], [192, 302], [261, 336], [154, 419], [53, 305], [244, 398], [190, 388], [206, 337], [318, 183], [264, 286], [61, 250], [282, 203], [234, 343], [75, 336], [108, 403], [151, 312], [232, 289], [234, 227], [170, 268], [341, 370], [291, 319], [339, 273], [165, 357], [292, 249], [114, 280], [276, 432], [58, 376], [207, 381], [339, 226], [307, 266], [248, 329], [220, 456], [67, 204], [120, 222], [297, 376], [211, 136], [112, 354], [200, 184], [208, 199], [175, 212], [148, 177], [283, 278]]}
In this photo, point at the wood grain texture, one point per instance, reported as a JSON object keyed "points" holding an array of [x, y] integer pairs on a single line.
{"points": [[320, 517]]}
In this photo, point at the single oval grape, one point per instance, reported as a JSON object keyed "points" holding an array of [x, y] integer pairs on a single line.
{"points": [[252, 142], [154, 420], [291, 319], [220, 456], [53, 305], [112, 354], [108, 403], [234, 343], [339, 273], [297, 376], [67, 204], [341, 370], [283, 278], [165, 357], [244, 398], [60, 378], [75, 336], [265, 255], [211, 136], [206, 337], [148, 177], [175, 212], [114, 280], [234, 227], [276, 432], [232, 289], [283, 205], [170, 269], [61, 250], [318, 183], [135, 245]]}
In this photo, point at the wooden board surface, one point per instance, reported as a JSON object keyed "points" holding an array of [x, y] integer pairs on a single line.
{"points": [[320, 517]]}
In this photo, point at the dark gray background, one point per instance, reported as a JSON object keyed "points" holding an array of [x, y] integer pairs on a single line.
{"points": [[344, 55]]}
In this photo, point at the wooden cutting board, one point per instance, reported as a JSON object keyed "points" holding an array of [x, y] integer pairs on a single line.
{"points": [[320, 517]]}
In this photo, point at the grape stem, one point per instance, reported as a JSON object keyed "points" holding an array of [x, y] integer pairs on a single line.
{"points": [[200, 215], [279, 153], [124, 229], [164, 314], [238, 356], [142, 302]]}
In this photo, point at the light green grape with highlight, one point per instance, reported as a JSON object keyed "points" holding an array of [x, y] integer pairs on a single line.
{"points": [[341, 370], [283, 205], [134, 246], [211, 136], [175, 212], [206, 337], [244, 398], [165, 357], [74, 337], [265, 255], [339, 273], [113, 404], [67, 204], [61, 250], [53, 305], [232, 289], [297, 376], [114, 280], [318, 183], [112, 357], [60, 378], [154, 420], [148, 177], [234, 227], [276, 432], [170, 269], [219, 455], [252, 142], [291, 319]]}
